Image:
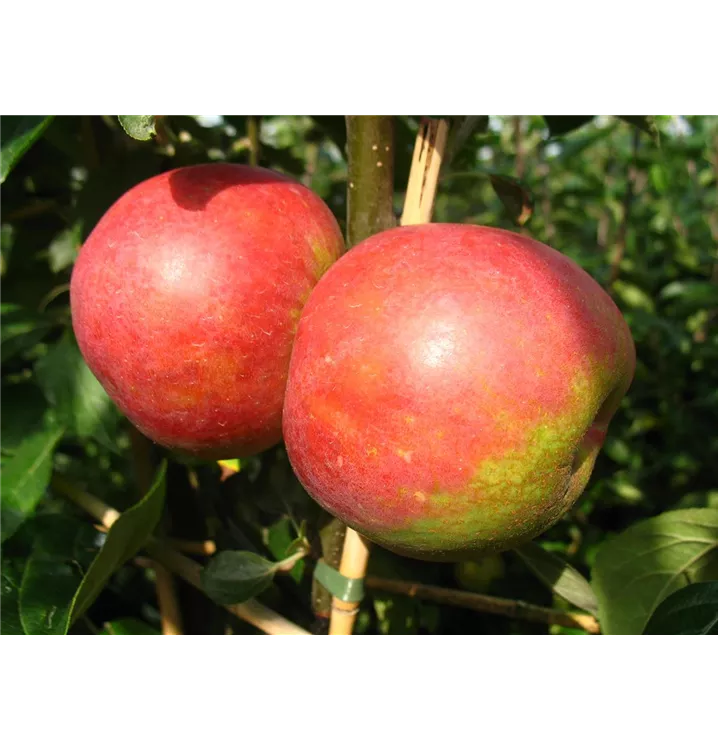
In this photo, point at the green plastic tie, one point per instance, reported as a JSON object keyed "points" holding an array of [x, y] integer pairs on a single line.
{"points": [[345, 589]]}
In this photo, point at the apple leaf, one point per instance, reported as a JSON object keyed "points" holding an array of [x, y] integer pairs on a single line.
{"points": [[281, 542], [17, 134], [563, 579], [12, 570], [640, 567], [26, 475], [646, 123], [21, 329], [70, 387], [23, 412], [692, 610], [516, 198], [234, 576], [126, 537], [561, 124], [139, 127], [8, 234], [691, 295], [64, 248], [63, 547]]}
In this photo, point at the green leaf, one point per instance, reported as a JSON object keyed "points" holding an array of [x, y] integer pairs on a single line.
{"points": [[23, 409], [7, 242], [64, 248], [70, 387], [128, 626], [646, 123], [25, 477], [12, 570], [62, 550], [234, 576], [282, 542], [564, 580], [139, 127], [20, 330], [693, 294], [692, 610], [658, 177], [127, 535], [397, 615], [633, 296], [17, 134], [639, 568], [516, 198], [562, 124]]}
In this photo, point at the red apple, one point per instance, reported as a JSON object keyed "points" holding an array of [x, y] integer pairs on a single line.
{"points": [[186, 296], [450, 387]]}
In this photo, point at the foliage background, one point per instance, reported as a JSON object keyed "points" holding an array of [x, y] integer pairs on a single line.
{"points": [[637, 207]]}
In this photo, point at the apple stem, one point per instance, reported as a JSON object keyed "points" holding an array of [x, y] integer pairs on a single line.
{"points": [[483, 603], [251, 611]]}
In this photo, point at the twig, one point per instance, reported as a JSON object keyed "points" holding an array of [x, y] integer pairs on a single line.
{"points": [[206, 548], [31, 210], [250, 611], [482, 603], [170, 615]]}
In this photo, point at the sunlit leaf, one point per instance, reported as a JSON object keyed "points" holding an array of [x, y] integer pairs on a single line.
{"points": [[17, 134], [640, 567], [62, 550], [139, 127], [64, 248], [124, 539], [77, 396], [26, 475], [563, 579]]}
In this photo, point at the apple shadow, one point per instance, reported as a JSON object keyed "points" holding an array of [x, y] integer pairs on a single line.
{"points": [[194, 187]]}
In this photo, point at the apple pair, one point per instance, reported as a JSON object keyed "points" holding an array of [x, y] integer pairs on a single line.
{"points": [[444, 389]]}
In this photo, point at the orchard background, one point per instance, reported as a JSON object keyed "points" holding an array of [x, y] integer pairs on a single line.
{"points": [[632, 199]]}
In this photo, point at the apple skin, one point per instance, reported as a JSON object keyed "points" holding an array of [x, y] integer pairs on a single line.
{"points": [[450, 387], [186, 296]]}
